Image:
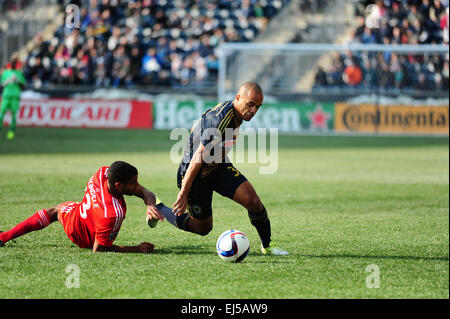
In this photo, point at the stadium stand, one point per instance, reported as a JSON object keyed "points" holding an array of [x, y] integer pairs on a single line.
{"points": [[147, 42], [13, 5], [21, 21], [401, 22]]}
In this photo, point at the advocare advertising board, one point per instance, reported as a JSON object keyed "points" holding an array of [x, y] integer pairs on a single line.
{"points": [[90, 113]]}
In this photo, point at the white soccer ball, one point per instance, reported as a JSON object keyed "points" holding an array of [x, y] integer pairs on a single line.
{"points": [[233, 245]]}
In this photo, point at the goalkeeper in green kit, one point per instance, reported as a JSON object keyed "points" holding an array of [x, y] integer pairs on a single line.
{"points": [[12, 81]]}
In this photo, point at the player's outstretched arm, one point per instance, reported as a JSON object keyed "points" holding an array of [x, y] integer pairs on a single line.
{"points": [[149, 200], [148, 196], [143, 247]]}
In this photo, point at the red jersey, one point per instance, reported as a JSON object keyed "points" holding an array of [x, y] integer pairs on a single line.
{"points": [[98, 216]]}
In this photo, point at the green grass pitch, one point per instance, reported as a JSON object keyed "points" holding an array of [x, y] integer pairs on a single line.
{"points": [[337, 204]]}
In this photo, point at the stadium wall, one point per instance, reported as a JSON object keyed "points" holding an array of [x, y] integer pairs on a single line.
{"points": [[390, 117]]}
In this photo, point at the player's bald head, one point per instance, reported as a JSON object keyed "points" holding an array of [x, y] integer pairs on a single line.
{"points": [[250, 88], [248, 100]]}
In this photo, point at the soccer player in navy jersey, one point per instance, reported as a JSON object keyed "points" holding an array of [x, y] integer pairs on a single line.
{"points": [[205, 168]]}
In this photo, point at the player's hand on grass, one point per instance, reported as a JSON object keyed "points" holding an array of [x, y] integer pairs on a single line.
{"points": [[154, 213], [145, 247], [179, 207]]}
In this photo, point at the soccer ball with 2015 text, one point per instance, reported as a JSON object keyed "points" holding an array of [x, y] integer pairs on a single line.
{"points": [[233, 245]]}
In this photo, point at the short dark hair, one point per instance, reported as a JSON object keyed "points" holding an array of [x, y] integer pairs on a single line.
{"points": [[121, 172]]}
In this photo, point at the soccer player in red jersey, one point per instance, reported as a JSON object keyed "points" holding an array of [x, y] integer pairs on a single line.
{"points": [[95, 222]]}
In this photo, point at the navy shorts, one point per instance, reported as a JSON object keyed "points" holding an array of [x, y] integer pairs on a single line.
{"points": [[225, 179]]}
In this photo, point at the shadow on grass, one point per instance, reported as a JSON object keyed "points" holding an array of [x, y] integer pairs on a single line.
{"points": [[377, 257], [183, 250], [203, 250], [206, 250], [34, 140]]}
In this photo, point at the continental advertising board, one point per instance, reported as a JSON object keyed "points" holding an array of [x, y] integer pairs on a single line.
{"points": [[387, 119]]}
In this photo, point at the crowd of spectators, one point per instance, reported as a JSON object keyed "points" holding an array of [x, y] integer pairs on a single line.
{"points": [[400, 22], [127, 43], [13, 5]]}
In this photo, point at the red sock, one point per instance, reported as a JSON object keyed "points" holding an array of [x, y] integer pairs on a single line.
{"points": [[38, 221]]}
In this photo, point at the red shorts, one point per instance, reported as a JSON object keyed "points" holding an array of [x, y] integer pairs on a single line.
{"points": [[68, 215]]}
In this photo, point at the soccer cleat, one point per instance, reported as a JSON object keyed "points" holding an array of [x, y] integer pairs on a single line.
{"points": [[152, 222], [10, 135], [1, 242], [273, 250]]}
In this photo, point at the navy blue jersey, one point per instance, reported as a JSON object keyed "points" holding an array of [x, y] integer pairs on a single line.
{"points": [[217, 130]]}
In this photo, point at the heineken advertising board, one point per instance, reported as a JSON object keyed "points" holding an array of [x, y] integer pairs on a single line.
{"points": [[288, 117]]}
